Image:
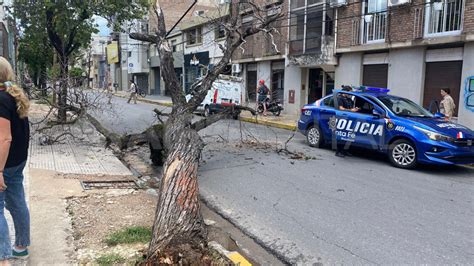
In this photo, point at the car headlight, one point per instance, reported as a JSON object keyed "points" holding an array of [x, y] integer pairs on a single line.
{"points": [[434, 135]]}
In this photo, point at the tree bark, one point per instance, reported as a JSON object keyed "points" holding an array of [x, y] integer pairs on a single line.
{"points": [[63, 79], [178, 217]]}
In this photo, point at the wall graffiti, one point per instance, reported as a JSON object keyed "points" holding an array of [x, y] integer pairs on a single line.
{"points": [[469, 93]]}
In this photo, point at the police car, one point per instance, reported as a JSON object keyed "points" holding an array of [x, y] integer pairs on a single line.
{"points": [[408, 133]]}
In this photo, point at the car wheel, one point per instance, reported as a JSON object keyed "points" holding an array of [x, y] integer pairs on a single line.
{"points": [[207, 111], [314, 136], [402, 154]]}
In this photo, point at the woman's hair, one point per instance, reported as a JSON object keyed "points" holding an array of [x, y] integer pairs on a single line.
{"points": [[7, 76], [447, 90]]}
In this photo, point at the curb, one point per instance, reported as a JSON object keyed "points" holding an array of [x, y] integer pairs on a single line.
{"points": [[234, 256], [268, 123], [245, 119], [166, 104]]}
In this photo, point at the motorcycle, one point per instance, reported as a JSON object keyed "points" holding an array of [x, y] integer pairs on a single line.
{"points": [[273, 106]]}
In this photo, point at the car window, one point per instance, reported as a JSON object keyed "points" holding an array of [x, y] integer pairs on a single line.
{"points": [[404, 107], [365, 107], [329, 102]]}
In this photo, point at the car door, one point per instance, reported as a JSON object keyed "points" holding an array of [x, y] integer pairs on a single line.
{"points": [[362, 127], [327, 117]]}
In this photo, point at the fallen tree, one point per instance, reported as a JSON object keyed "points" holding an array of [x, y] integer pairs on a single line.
{"points": [[178, 218]]}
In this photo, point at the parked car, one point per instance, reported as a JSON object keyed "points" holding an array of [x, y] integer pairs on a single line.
{"points": [[402, 129], [226, 92]]}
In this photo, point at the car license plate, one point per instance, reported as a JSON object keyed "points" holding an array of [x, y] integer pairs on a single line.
{"points": [[469, 142]]}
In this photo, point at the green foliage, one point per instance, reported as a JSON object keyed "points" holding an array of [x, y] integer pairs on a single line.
{"points": [[134, 234], [110, 259], [76, 72], [67, 25]]}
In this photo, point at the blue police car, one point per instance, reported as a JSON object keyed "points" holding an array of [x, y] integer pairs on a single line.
{"points": [[402, 129]]}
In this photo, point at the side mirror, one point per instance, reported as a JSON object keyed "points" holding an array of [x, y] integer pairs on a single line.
{"points": [[377, 113], [439, 115]]}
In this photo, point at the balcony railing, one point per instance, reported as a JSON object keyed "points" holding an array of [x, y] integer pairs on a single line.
{"points": [[444, 16], [375, 27]]}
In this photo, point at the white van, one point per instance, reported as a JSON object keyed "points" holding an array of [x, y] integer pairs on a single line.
{"points": [[225, 91]]}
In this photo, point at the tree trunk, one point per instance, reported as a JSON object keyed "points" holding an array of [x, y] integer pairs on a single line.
{"points": [[63, 81], [178, 218]]}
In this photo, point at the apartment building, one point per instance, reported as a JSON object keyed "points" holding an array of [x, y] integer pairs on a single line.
{"points": [[310, 60], [178, 38], [413, 47], [262, 57]]}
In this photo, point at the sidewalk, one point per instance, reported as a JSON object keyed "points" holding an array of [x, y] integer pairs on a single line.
{"points": [[47, 191], [151, 99], [283, 121]]}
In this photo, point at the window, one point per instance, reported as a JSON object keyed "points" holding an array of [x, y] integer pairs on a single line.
{"points": [[174, 46], [443, 16], [329, 101], [194, 36], [219, 32], [364, 106], [374, 21]]}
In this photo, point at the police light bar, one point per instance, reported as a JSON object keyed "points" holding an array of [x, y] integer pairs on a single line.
{"points": [[373, 89]]}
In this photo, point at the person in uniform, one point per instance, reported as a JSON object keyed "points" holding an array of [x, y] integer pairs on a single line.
{"points": [[344, 103]]}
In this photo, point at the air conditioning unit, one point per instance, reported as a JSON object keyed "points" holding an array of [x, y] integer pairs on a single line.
{"points": [[337, 3], [398, 2], [236, 68]]}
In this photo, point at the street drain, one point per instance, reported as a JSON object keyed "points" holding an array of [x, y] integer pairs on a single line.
{"points": [[115, 184]]}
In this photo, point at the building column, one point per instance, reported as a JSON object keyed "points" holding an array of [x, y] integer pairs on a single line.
{"points": [[406, 73], [466, 115], [293, 85], [349, 70]]}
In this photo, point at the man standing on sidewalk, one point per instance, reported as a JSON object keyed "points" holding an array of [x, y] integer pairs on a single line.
{"points": [[133, 91]]}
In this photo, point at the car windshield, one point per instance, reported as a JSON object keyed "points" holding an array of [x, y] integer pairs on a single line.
{"points": [[403, 107]]}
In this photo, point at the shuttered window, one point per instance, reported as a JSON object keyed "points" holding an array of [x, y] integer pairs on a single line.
{"points": [[440, 75], [376, 75]]}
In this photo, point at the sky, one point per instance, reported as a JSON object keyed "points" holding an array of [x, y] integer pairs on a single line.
{"points": [[103, 29]]}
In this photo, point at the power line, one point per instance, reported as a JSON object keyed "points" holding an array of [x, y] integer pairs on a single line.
{"points": [[390, 11]]}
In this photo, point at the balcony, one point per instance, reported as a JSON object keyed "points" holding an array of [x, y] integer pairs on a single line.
{"points": [[318, 51], [371, 28], [443, 17]]}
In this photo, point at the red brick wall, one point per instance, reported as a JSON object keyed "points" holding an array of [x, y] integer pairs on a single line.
{"points": [[174, 9], [259, 45], [347, 15], [468, 26], [401, 22]]}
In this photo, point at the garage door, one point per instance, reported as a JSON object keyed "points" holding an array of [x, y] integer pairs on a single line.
{"points": [[376, 75], [441, 75]]}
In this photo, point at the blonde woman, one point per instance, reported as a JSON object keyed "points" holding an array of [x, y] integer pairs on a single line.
{"points": [[14, 138]]}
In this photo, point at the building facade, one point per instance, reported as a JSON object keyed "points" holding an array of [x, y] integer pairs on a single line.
{"points": [[262, 57], [310, 60], [415, 48]]}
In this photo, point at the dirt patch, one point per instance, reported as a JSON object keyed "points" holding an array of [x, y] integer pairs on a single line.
{"points": [[101, 213]]}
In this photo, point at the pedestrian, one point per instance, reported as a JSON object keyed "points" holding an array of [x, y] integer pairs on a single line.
{"points": [[344, 103], [263, 93], [14, 140], [109, 93], [133, 92], [447, 105]]}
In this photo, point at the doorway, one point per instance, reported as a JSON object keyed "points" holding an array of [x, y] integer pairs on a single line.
{"points": [[315, 85], [251, 85], [440, 75]]}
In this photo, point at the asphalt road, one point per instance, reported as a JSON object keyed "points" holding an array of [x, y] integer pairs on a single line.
{"points": [[353, 210]]}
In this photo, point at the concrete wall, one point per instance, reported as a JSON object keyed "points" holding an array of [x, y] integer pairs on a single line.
{"points": [[466, 116], [264, 71], [406, 73], [349, 70], [208, 44], [293, 81]]}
